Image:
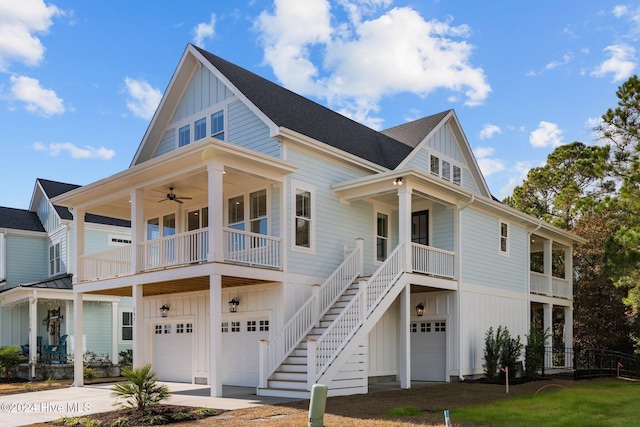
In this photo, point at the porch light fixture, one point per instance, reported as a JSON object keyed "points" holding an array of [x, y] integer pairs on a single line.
{"points": [[398, 181], [233, 305], [420, 309], [164, 310]]}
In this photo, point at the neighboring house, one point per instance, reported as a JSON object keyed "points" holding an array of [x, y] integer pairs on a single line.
{"points": [[278, 244], [36, 296]]}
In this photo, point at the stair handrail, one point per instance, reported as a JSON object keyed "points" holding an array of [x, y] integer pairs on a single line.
{"points": [[333, 340], [308, 315]]}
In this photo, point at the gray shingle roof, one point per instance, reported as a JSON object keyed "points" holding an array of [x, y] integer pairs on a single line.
{"points": [[19, 219], [292, 111], [414, 132]]}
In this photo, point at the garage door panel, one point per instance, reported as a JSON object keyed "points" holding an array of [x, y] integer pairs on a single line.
{"points": [[428, 351], [173, 351], [240, 350]]}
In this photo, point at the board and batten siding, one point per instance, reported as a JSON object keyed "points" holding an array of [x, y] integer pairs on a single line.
{"points": [[48, 215], [383, 344], [483, 309], [445, 143], [204, 90], [27, 259], [336, 224], [482, 262], [15, 325], [249, 131]]}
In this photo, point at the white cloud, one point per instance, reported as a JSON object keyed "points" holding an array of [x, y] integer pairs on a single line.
{"points": [[621, 63], [19, 21], [566, 58], [487, 165], [488, 130], [204, 30], [519, 172], [620, 10], [367, 57], [37, 99], [87, 152], [547, 134], [143, 99]]}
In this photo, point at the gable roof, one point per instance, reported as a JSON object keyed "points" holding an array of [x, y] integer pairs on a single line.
{"points": [[292, 111], [20, 219], [413, 133]]}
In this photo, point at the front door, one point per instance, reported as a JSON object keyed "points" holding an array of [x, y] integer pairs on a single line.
{"points": [[420, 227]]}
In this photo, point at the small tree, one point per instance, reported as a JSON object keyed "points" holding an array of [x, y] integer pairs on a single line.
{"points": [[510, 351], [491, 353], [141, 390], [534, 350], [10, 357]]}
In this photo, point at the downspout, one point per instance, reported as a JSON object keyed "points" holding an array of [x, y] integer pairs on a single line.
{"points": [[458, 293], [528, 311]]}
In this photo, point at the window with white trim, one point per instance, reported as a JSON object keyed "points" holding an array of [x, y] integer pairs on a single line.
{"points": [[200, 129], [445, 169], [54, 259], [303, 221], [126, 325], [382, 236], [217, 125], [504, 238], [184, 136], [434, 166], [457, 175]]}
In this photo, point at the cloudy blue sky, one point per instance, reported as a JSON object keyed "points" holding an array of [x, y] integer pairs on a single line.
{"points": [[80, 80]]}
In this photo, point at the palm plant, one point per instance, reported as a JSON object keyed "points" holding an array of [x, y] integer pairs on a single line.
{"points": [[141, 390]]}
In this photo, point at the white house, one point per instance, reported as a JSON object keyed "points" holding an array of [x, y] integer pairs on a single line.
{"points": [[278, 244], [36, 296]]}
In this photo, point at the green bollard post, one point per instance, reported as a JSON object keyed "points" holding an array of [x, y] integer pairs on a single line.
{"points": [[317, 405]]}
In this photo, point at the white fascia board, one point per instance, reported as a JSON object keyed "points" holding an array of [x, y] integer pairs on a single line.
{"points": [[19, 295], [26, 233]]}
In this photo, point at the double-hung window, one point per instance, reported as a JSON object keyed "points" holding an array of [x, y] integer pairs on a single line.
{"points": [[504, 238], [304, 217], [126, 331], [382, 236], [54, 259]]}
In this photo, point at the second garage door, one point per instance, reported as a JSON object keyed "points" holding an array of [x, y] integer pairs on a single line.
{"points": [[428, 351], [173, 351], [240, 350]]}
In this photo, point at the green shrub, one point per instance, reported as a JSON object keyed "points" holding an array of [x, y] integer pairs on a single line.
{"points": [[534, 350], [89, 373], [491, 353], [500, 351], [125, 357], [141, 390], [10, 357]]}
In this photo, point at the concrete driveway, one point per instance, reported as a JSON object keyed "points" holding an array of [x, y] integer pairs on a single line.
{"points": [[42, 406]]}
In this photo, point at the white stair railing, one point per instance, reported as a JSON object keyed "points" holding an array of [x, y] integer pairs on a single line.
{"points": [[275, 351], [326, 348]]}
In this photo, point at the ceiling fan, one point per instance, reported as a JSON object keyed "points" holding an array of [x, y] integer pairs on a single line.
{"points": [[173, 197]]}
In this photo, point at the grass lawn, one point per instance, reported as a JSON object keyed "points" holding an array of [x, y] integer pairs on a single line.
{"points": [[615, 403]]}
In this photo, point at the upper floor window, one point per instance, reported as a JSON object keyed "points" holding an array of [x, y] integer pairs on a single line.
{"points": [[256, 213], [445, 169], [157, 229], [304, 217], [200, 129], [504, 238], [217, 125], [382, 236], [457, 175], [54, 259], [435, 165], [184, 135]]}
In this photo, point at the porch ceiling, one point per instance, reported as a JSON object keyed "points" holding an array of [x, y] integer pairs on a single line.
{"points": [[191, 284]]}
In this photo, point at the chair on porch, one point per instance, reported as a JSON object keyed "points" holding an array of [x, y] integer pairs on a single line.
{"points": [[57, 352]]}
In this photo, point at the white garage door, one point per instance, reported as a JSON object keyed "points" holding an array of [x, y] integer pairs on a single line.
{"points": [[173, 351], [240, 350], [428, 351]]}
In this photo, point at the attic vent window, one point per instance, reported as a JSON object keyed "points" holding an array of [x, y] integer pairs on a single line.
{"points": [[116, 240]]}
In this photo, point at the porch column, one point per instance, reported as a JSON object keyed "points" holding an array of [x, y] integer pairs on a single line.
{"points": [[548, 261], [137, 226], [405, 339], [139, 339], [114, 332], [78, 243], [33, 334], [568, 335], [568, 269], [78, 331], [216, 211], [547, 323], [404, 223], [215, 319]]}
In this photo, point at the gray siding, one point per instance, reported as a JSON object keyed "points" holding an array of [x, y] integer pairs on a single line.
{"points": [[444, 142], [204, 90], [442, 227], [420, 160], [248, 131], [481, 262], [167, 143], [26, 259], [59, 236], [467, 181], [97, 239]]}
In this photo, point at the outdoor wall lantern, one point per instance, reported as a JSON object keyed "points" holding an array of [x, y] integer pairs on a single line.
{"points": [[398, 181], [420, 309], [233, 305], [164, 310]]}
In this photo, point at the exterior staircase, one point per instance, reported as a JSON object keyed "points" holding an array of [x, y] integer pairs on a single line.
{"points": [[291, 377]]}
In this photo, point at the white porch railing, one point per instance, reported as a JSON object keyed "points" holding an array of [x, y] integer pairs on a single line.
{"points": [[561, 288], [179, 249], [432, 261], [274, 352], [251, 248], [111, 263], [539, 283], [321, 353]]}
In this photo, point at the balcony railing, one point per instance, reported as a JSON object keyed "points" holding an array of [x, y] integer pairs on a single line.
{"points": [[257, 250], [111, 263], [179, 249], [559, 287], [433, 261]]}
